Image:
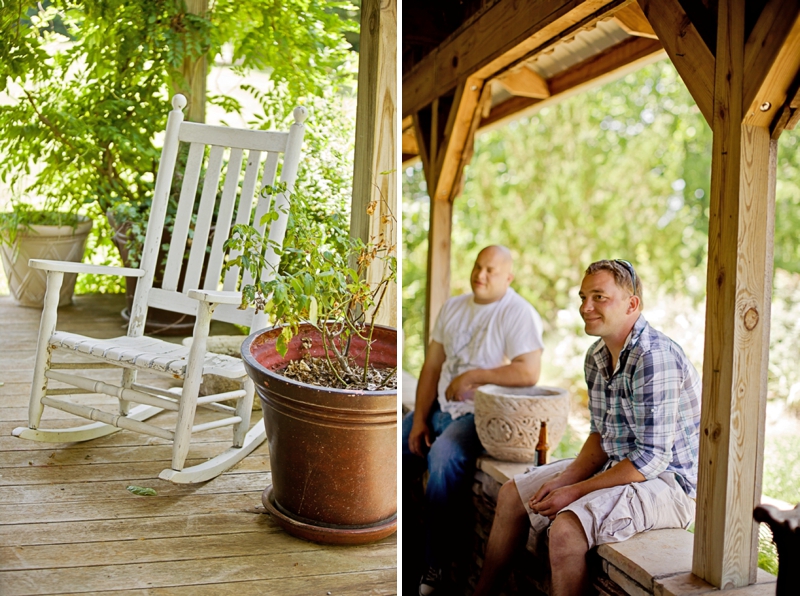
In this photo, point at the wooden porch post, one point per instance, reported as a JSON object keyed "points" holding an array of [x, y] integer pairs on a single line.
{"points": [[445, 136], [741, 88], [374, 204], [739, 288]]}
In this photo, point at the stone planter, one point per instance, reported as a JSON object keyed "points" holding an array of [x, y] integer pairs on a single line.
{"points": [[508, 419], [333, 452], [59, 243]]}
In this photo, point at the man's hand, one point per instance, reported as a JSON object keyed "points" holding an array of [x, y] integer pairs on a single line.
{"points": [[548, 501], [419, 439], [462, 388]]}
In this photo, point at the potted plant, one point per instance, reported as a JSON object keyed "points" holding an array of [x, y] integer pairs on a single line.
{"points": [[326, 377], [28, 233]]}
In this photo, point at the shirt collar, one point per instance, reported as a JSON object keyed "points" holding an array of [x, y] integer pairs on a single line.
{"points": [[630, 341]]}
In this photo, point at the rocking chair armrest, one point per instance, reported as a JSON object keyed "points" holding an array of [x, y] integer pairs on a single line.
{"points": [[72, 267], [216, 297]]}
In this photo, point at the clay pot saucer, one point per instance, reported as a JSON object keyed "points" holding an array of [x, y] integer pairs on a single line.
{"points": [[325, 533]]}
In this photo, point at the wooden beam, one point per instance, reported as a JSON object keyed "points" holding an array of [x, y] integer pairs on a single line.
{"points": [[437, 286], [457, 138], [605, 63], [424, 155], [739, 282], [632, 20], [506, 32], [408, 139], [612, 63], [771, 61], [374, 201], [524, 82], [692, 58]]}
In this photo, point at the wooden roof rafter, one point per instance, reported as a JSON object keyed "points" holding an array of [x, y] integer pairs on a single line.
{"points": [[498, 39]]}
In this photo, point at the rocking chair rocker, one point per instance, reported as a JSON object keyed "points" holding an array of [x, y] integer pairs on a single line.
{"points": [[200, 295]]}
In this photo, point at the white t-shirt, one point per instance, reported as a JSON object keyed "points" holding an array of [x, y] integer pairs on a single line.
{"points": [[483, 336]]}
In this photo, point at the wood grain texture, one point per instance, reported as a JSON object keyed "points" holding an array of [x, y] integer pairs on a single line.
{"points": [[692, 58], [524, 82], [504, 33], [737, 323], [632, 19], [375, 160], [69, 526], [437, 287], [615, 62], [772, 61]]}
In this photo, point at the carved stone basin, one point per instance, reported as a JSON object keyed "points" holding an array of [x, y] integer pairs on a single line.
{"points": [[508, 419]]}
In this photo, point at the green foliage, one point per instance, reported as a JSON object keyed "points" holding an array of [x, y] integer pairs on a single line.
{"points": [[622, 171], [88, 83], [326, 286], [142, 491], [23, 216]]}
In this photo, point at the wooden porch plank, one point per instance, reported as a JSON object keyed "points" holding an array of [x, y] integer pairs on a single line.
{"points": [[40, 472], [306, 561], [138, 507], [270, 541], [144, 528], [95, 537], [108, 490], [82, 455], [380, 582]]}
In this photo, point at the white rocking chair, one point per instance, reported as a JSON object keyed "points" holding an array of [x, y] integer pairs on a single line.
{"points": [[135, 352]]}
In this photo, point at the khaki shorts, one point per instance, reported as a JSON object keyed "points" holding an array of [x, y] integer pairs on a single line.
{"points": [[614, 514]]}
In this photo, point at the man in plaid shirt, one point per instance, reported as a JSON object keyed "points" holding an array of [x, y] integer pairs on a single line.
{"points": [[637, 471]]}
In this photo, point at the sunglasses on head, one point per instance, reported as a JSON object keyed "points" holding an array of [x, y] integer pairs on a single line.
{"points": [[631, 272]]}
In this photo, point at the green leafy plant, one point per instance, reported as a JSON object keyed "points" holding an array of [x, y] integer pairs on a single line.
{"points": [[23, 216], [85, 84], [325, 286]]}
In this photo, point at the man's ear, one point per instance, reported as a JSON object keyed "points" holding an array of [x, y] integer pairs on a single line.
{"points": [[633, 306], [510, 277]]}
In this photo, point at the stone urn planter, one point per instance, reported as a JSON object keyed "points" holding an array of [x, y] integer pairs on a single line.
{"points": [[60, 243], [333, 452], [508, 419]]}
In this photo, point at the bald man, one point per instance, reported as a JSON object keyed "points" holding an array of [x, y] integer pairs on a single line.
{"points": [[491, 335]]}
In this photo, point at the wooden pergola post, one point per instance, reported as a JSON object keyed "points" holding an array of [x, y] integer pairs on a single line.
{"points": [[742, 88], [445, 135], [374, 204]]}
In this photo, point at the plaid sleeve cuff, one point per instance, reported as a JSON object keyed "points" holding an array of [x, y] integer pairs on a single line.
{"points": [[648, 462]]}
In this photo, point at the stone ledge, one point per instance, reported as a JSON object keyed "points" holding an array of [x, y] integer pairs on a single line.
{"points": [[659, 562]]}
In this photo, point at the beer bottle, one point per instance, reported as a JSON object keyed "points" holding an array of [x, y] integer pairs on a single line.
{"points": [[542, 446]]}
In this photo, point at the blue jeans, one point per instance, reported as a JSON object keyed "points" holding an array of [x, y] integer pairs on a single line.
{"points": [[451, 464]]}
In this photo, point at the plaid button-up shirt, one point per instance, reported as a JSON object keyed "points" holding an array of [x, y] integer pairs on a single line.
{"points": [[648, 409]]}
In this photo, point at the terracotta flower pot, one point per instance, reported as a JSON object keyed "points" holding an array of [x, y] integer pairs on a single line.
{"points": [[333, 452]]}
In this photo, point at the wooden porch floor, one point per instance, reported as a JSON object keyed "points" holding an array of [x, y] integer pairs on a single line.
{"points": [[68, 524]]}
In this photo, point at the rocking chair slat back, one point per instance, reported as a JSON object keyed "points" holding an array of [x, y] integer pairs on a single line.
{"points": [[259, 140], [196, 225], [183, 217], [205, 213], [223, 227]]}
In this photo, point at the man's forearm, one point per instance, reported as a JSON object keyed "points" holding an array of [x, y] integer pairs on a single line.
{"points": [[515, 374], [590, 459], [427, 388], [622, 473]]}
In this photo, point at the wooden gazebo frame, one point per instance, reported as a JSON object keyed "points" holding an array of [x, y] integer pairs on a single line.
{"points": [[741, 63]]}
